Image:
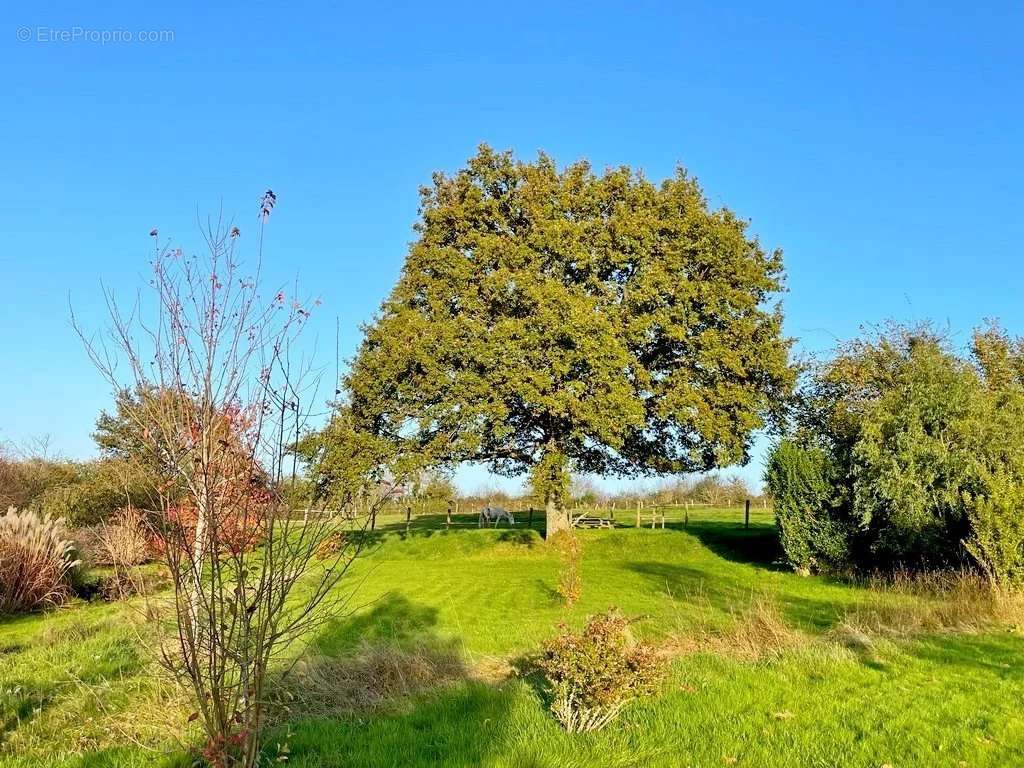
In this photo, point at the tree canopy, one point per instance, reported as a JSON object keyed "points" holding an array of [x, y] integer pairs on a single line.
{"points": [[553, 320]]}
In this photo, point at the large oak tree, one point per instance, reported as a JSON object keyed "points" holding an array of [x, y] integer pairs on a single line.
{"points": [[554, 320]]}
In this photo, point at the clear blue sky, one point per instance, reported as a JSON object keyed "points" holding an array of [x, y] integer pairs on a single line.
{"points": [[881, 145]]}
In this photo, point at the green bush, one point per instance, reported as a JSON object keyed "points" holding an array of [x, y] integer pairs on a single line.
{"points": [[918, 459], [24, 480], [96, 491], [802, 482], [996, 541], [37, 562], [916, 455], [593, 674]]}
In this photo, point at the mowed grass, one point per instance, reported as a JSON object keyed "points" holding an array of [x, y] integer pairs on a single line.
{"points": [[76, 687]]}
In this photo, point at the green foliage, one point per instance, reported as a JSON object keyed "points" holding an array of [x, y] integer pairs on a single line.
{"points": [[437, 487], [96, 490], [594, 673], [36, 561], [81, 492], [996, 512], [24, 480], [925, 449], [134, 426], [915, 456], [997, 534], [344, 460], [561, 320], [801, 481]]}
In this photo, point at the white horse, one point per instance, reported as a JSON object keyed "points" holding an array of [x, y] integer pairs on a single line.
{"points": [[494, 514]]}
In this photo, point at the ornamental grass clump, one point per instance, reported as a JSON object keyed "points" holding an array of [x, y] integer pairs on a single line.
{"points": [[593, 674], [36, 561]]}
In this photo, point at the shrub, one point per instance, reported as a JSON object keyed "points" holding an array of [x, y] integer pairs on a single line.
{"points": [[36, 561], [996, 541], [915, 450], [916, 453], [801, 484], [124, 539], [593, 674], [24, 480], [333, 545], [94, 491], [570, 582], [238, 529], [121, 542]]}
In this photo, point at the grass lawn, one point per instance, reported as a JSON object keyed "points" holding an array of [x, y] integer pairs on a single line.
{"points": [[76, 689]]}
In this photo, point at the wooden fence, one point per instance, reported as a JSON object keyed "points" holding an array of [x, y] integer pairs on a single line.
{"points": [[409, 517]]}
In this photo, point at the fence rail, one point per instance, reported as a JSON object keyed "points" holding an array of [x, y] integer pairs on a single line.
{"points": [[408, 518]]}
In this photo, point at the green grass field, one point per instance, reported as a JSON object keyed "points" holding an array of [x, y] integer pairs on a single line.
{"points": [[76, 688]]}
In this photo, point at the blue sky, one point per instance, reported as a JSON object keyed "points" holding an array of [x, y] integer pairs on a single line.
{"points": [[880, 145]]}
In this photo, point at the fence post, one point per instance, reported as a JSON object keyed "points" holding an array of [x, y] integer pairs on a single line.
{"points": [[408, 516], [529, 523], [448, 518], [638, 514], [686, 516], [746, 514], [373, 520]]}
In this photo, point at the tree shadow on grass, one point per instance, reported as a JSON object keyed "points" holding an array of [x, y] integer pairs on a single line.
{"points": [[549, 593], [459, 727], [731, 595], [20, 704], [758, 545], [383, 688], [393, 619], [993, 655]]}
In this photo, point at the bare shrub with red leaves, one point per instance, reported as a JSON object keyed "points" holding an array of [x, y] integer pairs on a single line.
{"points": [[214, 403]]}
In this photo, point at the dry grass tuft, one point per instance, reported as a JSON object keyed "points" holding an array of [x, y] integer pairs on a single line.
{"points": [[755, 633], [907, 605], [376, 677], [895, 607]]}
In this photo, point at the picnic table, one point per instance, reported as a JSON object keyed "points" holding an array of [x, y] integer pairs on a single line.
{"points": [[584, 521]]}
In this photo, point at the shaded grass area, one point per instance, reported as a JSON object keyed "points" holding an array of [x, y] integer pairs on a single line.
{"points": [[808, 709], [414, 676]]}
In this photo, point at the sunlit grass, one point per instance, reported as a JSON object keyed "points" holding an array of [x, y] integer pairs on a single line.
{"points": [[76, 689]]}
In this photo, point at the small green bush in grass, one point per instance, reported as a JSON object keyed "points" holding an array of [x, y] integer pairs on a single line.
{"points": [[593, 674]]}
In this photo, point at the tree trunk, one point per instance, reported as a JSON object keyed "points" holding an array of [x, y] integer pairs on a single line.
{"points": [[556, 517]]}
